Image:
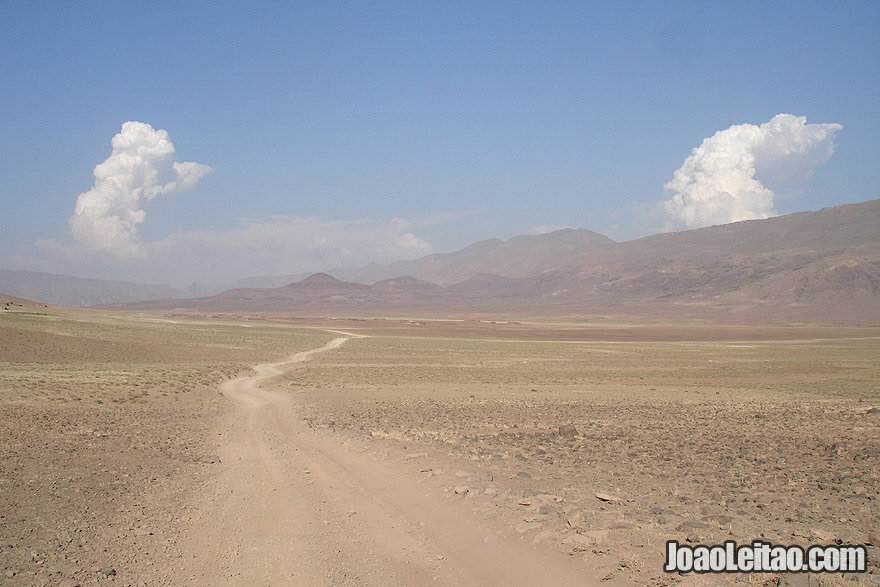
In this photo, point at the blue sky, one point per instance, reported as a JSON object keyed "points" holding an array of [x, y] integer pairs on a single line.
{"points": [[467, 120]]}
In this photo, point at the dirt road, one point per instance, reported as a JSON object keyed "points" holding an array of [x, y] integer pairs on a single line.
{"points": [[292, 506]]}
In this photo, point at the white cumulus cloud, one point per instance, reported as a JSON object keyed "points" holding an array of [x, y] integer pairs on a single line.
{"points": [[731, 175], [140, 168]]}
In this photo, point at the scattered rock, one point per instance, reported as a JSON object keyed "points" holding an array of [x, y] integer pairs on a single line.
{"points": [[523, 475], [874, 539], [575, 519], [608, 497], [567, 430], [873, 411], [461, 490], [108, 571], [9, 573], [823, 535]]}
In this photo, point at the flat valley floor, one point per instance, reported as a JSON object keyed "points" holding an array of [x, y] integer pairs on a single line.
{"points": [[170, 449]]}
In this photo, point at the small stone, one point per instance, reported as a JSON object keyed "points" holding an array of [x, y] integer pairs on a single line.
{"points": [[461, 490], [823, 535], [486, 476], [608, 497], [108, 572], [575, 519], [523, 475], [9, 573], [567, 430], [873, 411]]}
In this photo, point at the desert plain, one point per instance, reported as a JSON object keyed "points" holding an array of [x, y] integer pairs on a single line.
{"points": [[172, 448]]}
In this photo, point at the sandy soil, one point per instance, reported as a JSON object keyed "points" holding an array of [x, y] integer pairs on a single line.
{"points": [[700, 442], [408, 459], [292, 507], [106, 427]]}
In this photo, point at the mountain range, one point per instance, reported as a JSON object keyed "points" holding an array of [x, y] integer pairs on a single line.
{"points": [[66, 290], [805, 266]]}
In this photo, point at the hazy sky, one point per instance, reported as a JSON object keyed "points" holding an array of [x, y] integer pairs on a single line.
{"points": [[302, 137]]}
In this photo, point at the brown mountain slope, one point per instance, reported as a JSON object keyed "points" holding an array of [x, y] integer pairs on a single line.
{"points": [[853, 275], [805, 266], [824, 231], [65, 290], [520, 256], [699, 265], [15, 304]]}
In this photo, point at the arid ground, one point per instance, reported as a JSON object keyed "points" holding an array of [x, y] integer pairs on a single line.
{"points": [[171, 449]]}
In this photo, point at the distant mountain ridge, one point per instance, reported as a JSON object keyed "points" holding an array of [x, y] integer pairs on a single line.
{"points": [[66, 290], [519, 256], [808, 265]]}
